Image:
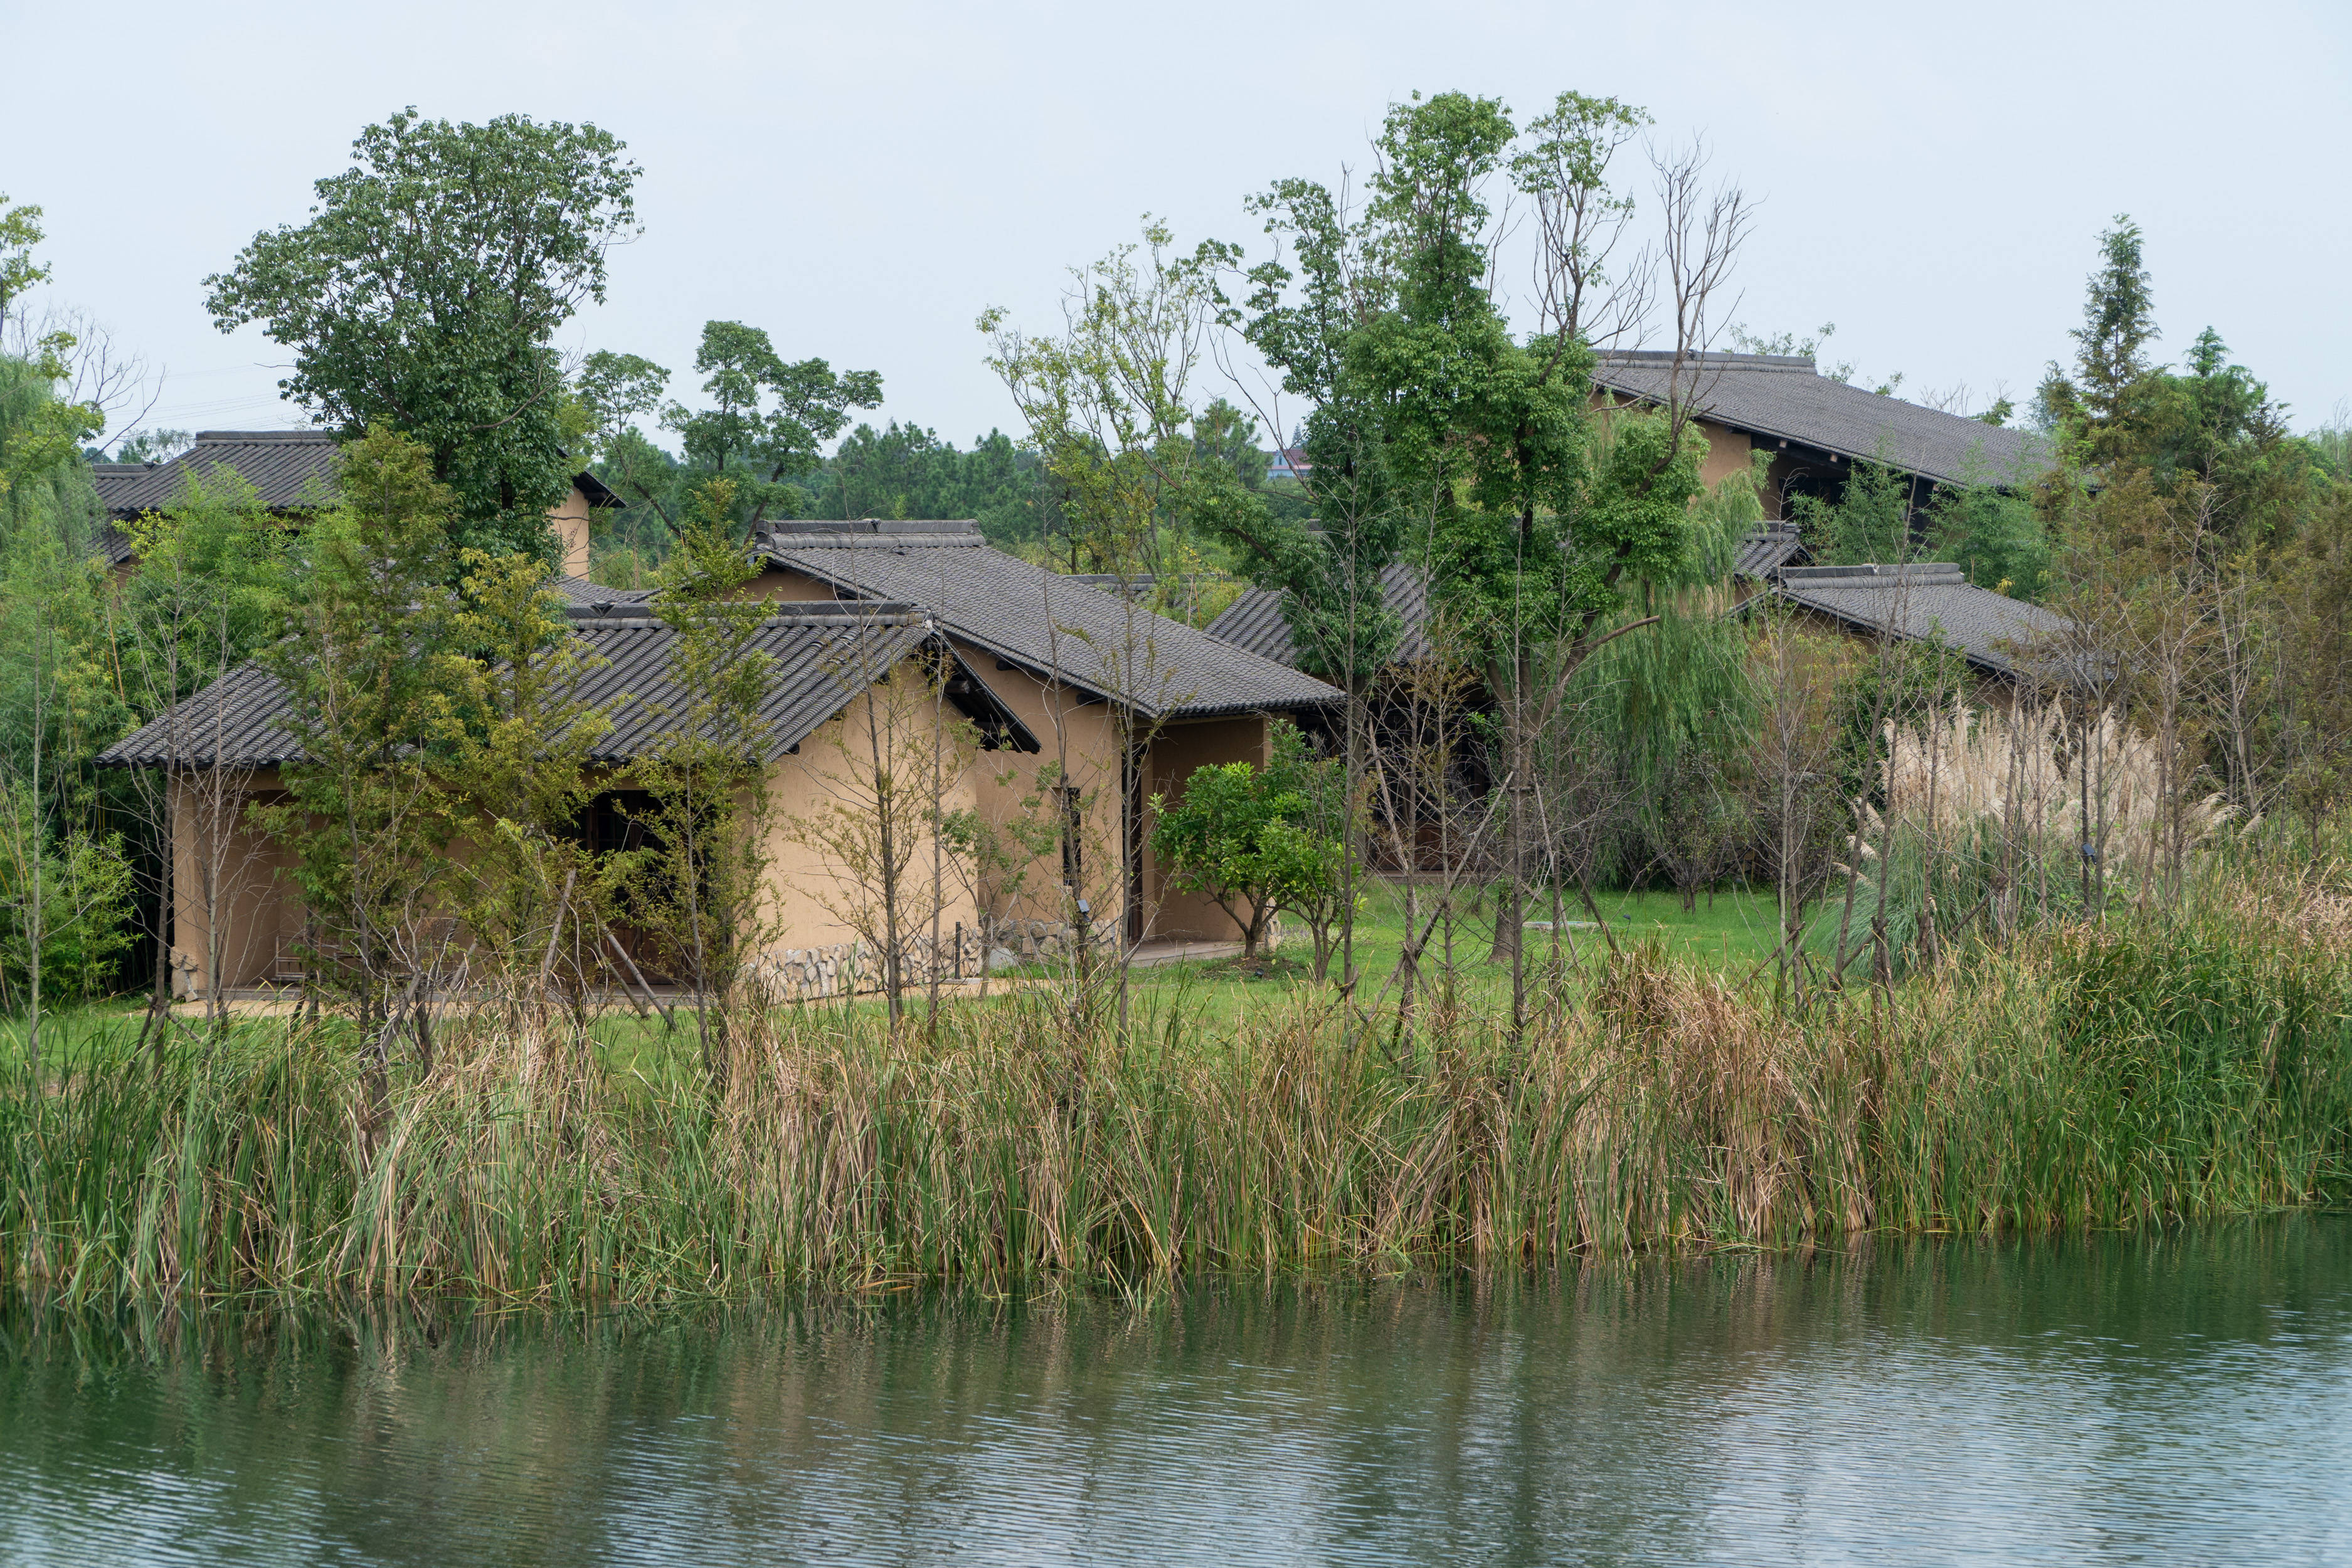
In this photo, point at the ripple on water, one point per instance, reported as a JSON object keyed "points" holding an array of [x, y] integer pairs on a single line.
{"points": [[2183, 1397]]}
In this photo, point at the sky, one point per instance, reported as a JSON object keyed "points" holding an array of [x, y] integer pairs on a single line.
{"points": [[862, 180]]}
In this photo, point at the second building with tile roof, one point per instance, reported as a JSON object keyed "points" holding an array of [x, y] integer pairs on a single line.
{"points": [[291, 472]]}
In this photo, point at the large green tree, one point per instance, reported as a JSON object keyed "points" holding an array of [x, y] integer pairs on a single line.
{"points": [[1443, 437], [424, 293], [768, 418], [907, 471], [762, 427], [367, 665]]}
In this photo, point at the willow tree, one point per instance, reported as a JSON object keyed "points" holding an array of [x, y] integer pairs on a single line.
{"points": [[1673, 710]]}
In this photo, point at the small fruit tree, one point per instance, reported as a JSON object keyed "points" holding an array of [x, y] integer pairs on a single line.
{"points": [[1260, 841]]}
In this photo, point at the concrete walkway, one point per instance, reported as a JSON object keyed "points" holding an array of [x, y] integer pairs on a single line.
{"points": [[1150, 953]]}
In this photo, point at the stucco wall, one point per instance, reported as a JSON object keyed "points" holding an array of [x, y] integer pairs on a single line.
{"points": [[224, 875], [1728, 452], [570, 519], [827, 787], [1081, 739]]}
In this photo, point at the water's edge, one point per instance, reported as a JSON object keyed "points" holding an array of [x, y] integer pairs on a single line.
{"points": [[2170, 1393]]}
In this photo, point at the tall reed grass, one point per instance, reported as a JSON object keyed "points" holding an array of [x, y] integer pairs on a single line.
{"points": [[2105, 1077]]}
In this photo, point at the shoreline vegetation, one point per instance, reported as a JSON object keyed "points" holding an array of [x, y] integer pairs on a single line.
{"points": [[2040, 916], [2150, 1068]]}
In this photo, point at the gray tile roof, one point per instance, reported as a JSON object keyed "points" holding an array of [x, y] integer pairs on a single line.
{"points": [[233, 720], [289, 471], [1783, 398], [1255, 620], [1769, 550], [823, 655], [1995, 632], [1045, 623], [579, 593], [111, 479]]}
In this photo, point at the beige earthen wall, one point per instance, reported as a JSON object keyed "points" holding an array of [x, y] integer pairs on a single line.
{"points": [[815, 894], [1728, 452], [570, 519], [1085, 743], [252, 896]]}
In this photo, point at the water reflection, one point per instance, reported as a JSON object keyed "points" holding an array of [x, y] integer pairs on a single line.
{"points": [[2176, 1396]]}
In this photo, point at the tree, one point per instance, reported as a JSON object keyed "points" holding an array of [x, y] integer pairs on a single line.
{"points": [[1440, 439], [60, 881], [424, 295], [768, 420], [518, 735], [1302, 316], [611, 391], [1234, 837], [907, 471], [993, 855], [2100, 400], [1993, 534], [1870, 522], [368, 660], [1107, 403], [895, 756], [65, 906], [699, 885], [1307, 853], [208, 592], [44, 486], [1540, 521], [20, 230]]}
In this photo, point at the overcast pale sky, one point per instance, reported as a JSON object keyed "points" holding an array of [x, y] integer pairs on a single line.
{"points": [[862, 179]]}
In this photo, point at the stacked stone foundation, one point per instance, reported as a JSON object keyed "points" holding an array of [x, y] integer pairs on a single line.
{"points": [[851, 968]]}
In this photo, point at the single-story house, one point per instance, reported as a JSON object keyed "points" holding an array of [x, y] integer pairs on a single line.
{"points": [[1120, 702], [291, 472], [824, 657], [1126, 703]]}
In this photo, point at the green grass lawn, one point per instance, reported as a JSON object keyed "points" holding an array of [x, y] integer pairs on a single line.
{"points": [[1730, 930]]}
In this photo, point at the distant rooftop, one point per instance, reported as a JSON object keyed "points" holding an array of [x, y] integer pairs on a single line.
{"points": [[1927, 600], [1783, 398], [289, 471]]}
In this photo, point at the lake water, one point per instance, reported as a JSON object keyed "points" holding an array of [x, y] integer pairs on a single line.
{"points": [[2177, 1397]]}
